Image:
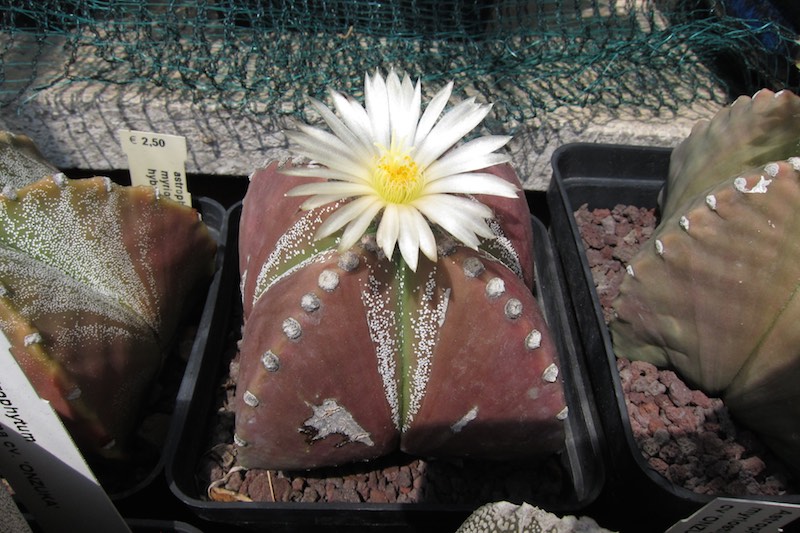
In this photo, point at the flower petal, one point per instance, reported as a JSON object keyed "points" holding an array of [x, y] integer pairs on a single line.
{"points": [[331, 188], [472, 183], [334, 160], [473, 155], [463, 219], [403, 113], [343, 215], [432, 112], [340, 129], [388, 229], [449, 130], [376, 99], [320, 172], [355, 117], [427, 241], [408, 240], [319, 200], [358, 226]]}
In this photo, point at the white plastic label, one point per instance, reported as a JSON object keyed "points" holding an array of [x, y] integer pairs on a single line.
{"points": [[731, 515], [157, 160], [41, 462]]}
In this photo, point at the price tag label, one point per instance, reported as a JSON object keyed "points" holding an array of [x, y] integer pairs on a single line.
{"points": [[157, 160], [41, 462], [731, 515]]}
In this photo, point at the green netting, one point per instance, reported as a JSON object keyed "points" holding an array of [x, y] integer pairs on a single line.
{"points": [[527, 56]]}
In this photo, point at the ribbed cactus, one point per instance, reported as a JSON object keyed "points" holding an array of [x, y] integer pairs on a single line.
{"points": [[715, 294], [94, 280], [348, 356], [507, 517]]}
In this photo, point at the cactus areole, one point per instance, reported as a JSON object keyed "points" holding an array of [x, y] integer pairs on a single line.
{"points": [[715, 296], [351, 351]]}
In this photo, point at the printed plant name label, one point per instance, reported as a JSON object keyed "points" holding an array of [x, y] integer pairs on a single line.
{"points": [[157, 160], [731, 515], [41, 462]]}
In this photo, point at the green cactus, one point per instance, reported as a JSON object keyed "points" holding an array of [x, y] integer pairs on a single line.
{"points": [[348, 356], [715, 295], [94, 280]]}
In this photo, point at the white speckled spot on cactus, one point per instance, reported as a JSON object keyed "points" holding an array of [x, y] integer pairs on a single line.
{"points": [[711, 202], [348, 261], [495, 288], [32, 338], [684, 224], [513, 308], [473, 267], [309, 302], [563, 414], [292, 329], [471, 415], [3, 290], [507, 253], [533, 340], [10, 192], [328, 280], [330, 418], [795, 162], [74, 394], [271, 361], [250, 399], [629, 270], [239, 441], [550, 373], [659, 247]]}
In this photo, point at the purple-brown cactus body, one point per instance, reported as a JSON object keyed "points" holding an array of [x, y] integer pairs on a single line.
{"points": [[349, 356], [715, 294], [119, 266]]}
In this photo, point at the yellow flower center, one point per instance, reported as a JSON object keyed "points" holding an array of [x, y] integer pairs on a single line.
{"points": [[397, 177]]}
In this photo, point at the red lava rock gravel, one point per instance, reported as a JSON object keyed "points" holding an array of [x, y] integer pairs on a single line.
{"points": [[683, 434]]}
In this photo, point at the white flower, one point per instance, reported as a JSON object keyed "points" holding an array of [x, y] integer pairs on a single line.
{"points": [[392, 159]]}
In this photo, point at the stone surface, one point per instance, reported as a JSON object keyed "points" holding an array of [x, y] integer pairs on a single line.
{"points": [[76, 126]]}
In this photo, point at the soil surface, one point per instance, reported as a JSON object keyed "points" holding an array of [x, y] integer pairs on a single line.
{"points": [[683, 434]]}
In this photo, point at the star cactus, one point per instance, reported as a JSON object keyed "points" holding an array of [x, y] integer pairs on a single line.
{"points": [[715, 295], [94, 281], [350, 351]]}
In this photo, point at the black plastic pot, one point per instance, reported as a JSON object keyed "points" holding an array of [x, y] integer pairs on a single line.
{"points": [[580, 459], [604, 176]]}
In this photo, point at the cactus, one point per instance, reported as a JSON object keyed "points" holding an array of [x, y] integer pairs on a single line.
{"points": [[348, 356], [94, 281], [507, 517], [714, 295], [21, 162]]}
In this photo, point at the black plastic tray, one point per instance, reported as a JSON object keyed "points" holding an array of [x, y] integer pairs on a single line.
{"points": [[580, 458], [603, 176]]}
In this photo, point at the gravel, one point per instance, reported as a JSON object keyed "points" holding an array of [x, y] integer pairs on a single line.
{"points": [[685, 435]]}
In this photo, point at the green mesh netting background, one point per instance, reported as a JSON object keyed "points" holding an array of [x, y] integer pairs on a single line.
{"points": [[527, 56]]}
